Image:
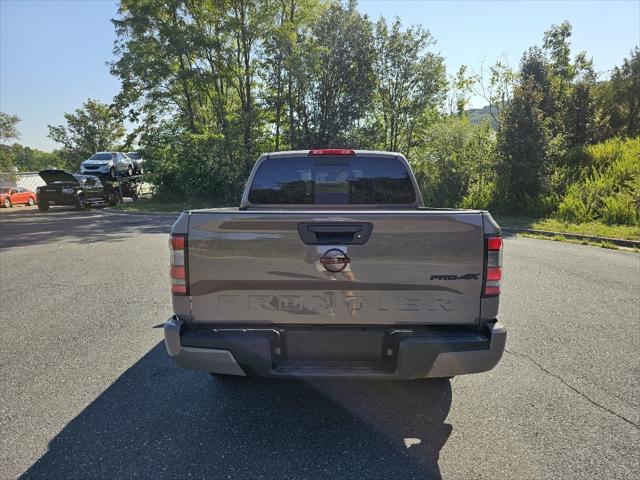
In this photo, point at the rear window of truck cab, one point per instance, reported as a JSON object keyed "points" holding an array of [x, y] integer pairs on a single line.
{"points": [[332, 180]]}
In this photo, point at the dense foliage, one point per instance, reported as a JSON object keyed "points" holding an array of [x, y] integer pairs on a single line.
{"points": [[8, 131], [211, 85], [27, 159], [214, 84], [607, 188], [549, 162], [456, 164]]}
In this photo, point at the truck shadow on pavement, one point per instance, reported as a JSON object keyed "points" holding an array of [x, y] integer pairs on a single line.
{"points": [[159, 421]]}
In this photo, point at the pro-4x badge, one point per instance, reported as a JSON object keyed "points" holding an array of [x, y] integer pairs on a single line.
{"points": [[467, 276]]}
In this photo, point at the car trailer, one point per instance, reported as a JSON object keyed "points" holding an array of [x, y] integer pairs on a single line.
{"points": [[121, 186]]}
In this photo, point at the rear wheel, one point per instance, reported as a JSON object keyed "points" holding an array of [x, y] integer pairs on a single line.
{"points": [[31, 202], [43, 206], [130, 170], [112, 172], [7, 203], [81, 203]]}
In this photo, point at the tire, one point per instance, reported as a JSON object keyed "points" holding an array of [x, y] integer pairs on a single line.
{"points": [[7, 203], [43, 206], [81, 203], [112, 172], [130, 171], [31, 202]]}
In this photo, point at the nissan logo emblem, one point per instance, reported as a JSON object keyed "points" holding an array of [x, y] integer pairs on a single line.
{"points": [[335, 260]]}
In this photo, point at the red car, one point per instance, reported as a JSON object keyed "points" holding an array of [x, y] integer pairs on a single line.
{"points": [[10, 196]]}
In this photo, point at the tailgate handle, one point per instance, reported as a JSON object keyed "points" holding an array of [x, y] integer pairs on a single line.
{"points": [[335, 233], [334, 228]]}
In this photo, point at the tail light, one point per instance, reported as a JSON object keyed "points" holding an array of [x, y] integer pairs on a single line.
{"points": [[330, 151], [493, 270], [179, 275]]}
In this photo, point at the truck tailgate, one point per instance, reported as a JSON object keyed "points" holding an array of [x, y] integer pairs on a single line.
{"points": [[417, 267]]}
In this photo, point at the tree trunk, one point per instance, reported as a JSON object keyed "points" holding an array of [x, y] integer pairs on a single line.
{"points": [[183, 82], [292, 129]]}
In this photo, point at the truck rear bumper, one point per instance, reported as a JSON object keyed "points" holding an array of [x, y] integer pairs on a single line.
{"points": [[389, 353]]}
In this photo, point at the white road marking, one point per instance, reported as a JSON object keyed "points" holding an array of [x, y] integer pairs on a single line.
{"points": [[410, 442]]}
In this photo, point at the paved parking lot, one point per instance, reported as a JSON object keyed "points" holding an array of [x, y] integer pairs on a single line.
{"points": [[88, 390]]}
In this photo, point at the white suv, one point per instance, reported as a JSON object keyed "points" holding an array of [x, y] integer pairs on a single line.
{"points": [[112, 163]]}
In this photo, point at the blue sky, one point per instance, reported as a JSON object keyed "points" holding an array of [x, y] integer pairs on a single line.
{"points": [[53, 54]]}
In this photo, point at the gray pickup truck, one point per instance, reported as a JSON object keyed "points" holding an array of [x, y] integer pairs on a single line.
{"points": [[333, 267]]}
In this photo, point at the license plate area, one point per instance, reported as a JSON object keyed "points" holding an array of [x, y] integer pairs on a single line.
{"points": [[333, 345]]}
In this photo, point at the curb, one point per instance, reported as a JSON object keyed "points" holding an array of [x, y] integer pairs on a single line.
{"points": [[576, 236], [124, 212]]}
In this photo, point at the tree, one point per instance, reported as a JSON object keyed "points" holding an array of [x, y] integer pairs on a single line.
{"points": [[8, 131], [8, 127], [556, 42], [579, 113], [571, 118], [28, 159], [249, 20], [523, 138], [286, 81], [460, 87], [410, 82], [497, 90], [91, 128], [339, 58], [455, 166], [625, 96], [276, 49], [198, 62], [535, 71], [156, 46], [617, 106]]}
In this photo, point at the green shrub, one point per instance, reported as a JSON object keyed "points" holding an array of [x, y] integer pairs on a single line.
{"points": [[576, 205], [455, 164], [479, 196], [192, 168], [619, 209], [608, 189]]}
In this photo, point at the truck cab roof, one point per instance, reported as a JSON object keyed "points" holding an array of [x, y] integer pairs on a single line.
{"points": [[298, 153]]}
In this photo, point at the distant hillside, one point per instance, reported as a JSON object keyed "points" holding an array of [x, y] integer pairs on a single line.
{"points": [[480, 115]]}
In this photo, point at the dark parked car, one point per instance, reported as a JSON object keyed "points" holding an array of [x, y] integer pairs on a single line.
{"points": [[81, 191], [10, 196]]}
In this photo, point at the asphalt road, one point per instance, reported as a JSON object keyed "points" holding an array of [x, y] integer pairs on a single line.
{"points": [[87, 390]]}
